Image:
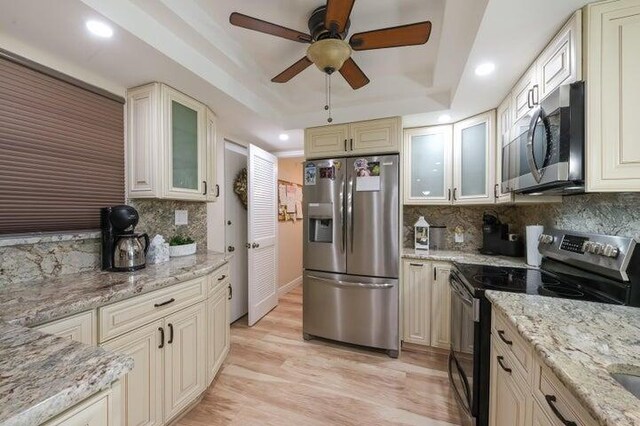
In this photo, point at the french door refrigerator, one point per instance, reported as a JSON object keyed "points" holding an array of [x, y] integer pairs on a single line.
{"points": [[351, 251]]}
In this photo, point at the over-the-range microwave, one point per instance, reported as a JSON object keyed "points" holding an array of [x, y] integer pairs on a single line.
{"points": [[545, 154]]}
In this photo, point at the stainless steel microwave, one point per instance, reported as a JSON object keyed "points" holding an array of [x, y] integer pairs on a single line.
{"points": [[545, 154]]}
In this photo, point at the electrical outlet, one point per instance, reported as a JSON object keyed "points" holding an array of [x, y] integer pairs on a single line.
{"points": [[182, 217]]}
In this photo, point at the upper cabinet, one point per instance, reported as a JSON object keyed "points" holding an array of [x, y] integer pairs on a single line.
{"points": [[171, 145], [612, 67], [361, 138], [522, 95], [503, 131], [474, 171], [451, 164], [428, 154]]}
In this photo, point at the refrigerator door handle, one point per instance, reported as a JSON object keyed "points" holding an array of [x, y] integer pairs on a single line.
{"points": [[343, 221], [352, 213], [351, 284]]}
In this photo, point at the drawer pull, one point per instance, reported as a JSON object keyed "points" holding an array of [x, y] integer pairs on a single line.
{"points": [[501, 335], [158, 305], [161, 330], [417, 264], [500, 361], [230, 292], [170, 341], [551, 399], [222, 277]]}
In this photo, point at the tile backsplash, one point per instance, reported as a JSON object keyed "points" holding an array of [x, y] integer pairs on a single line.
{"points": [[615, 214], [41, 257]]}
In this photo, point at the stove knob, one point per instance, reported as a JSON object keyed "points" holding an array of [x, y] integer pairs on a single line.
{"points": [[598, 248], [546, 239], [611, 251]]}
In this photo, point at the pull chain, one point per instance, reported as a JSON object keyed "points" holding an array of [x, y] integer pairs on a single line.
{"points": [[327, 106]]}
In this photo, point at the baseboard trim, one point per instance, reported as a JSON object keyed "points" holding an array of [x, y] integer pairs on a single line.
{"points": [[289, 286]]}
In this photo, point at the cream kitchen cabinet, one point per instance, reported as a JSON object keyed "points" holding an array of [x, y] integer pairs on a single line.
{"points": [[102, 409], [611, 68], [170, 145], [508, 396], [218, 316], [441, 307], [417, 302], [80, 328], [474, 172], [426, 303], [522, 94], [360, 138], [428, 158]]}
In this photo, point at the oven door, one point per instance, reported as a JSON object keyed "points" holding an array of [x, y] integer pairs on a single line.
{"points": [[461, 359]]}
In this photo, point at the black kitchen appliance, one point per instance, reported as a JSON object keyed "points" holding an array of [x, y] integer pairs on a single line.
{"points": [[546, 152], [575, 265], [122, 248], [495, 238]]}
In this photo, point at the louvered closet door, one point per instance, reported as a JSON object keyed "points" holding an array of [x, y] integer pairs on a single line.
{"points": [[262, 233]]}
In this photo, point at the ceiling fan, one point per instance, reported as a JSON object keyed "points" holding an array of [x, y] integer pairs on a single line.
{"points": [[328, 50]]}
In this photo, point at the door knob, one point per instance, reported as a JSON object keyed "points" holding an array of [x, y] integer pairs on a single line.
{"points": [[255, 245], [231, 249]]}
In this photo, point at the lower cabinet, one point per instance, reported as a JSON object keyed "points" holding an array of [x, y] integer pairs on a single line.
{"points": [[218, 315], [426, 303], [79, 328], [508, 391], [102, 409]]}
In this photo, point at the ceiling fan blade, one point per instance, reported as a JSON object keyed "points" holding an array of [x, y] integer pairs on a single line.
{"points": [[255, 24], [353, 74], [404, 35], [337, 15], [292, 71]]}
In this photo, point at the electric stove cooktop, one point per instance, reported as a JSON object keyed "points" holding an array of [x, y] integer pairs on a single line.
{"points": [[530, 281]]}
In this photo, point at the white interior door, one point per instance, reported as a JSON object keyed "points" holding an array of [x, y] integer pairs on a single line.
{"points": [[262, 233]]}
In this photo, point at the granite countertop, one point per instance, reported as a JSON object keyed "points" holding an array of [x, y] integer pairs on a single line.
{"points": [[582, 342], [37, 302], [473, 258], [42, 375]]}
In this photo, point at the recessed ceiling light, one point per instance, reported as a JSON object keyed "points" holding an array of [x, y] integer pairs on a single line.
{"points": [[485, 69], [444, 118], [100, 29], [284, 137]]}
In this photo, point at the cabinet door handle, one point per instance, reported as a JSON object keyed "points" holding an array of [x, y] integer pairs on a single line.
{"points": [[205, 187], [435, 274], [158, 305], [535, 95], [551, 399], [495, 191], [351, 145], [161, 330], [504, 339], [217, 190], [449, 194], [222, 277], [230, 292], [501, 362], [455, 192], [345, 144], [170, 341], [529, 103]]}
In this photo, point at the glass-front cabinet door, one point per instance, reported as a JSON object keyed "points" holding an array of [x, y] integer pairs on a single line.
{"points": [[474, 160], [428, 161], [185, 130]]}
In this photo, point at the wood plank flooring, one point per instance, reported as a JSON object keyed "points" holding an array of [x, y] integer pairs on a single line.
{"points": [[273, 377]]}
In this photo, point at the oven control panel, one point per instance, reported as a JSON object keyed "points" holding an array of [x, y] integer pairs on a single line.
{"points": [[574, 244]]}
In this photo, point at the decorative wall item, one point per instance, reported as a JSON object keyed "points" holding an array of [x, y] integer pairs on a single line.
{"points": [[289, 201], [421, 234], [240, 186]]}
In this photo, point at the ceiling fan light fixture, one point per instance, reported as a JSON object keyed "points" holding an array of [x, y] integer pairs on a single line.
{"points": [[329, 54]]}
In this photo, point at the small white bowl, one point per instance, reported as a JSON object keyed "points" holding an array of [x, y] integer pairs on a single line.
{"points": [[183, 250]]}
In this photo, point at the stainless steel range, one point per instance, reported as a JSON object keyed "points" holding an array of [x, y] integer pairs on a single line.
{"points": [[576, 265], [351, 251]]}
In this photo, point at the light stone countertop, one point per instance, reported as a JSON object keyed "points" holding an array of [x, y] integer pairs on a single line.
{"points": [[581, 342], [473, 258], [37, 302], [42, 375]]}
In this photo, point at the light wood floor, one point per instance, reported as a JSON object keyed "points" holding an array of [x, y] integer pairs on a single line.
{"points": [[273, 377]]}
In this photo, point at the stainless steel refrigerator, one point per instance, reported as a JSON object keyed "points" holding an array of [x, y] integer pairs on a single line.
{"points": [[351, 250]]}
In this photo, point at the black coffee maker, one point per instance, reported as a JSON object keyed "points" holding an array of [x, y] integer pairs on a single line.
{"points": [[122, 248], [495, 238]]}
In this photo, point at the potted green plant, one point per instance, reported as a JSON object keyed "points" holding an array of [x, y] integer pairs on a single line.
{"points": [[181, 246]]}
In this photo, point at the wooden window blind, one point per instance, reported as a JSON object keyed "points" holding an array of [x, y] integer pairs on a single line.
{"points": [[61, 151]]}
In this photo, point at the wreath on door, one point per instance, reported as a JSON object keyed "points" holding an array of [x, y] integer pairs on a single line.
{"points": [[240, 186]]}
